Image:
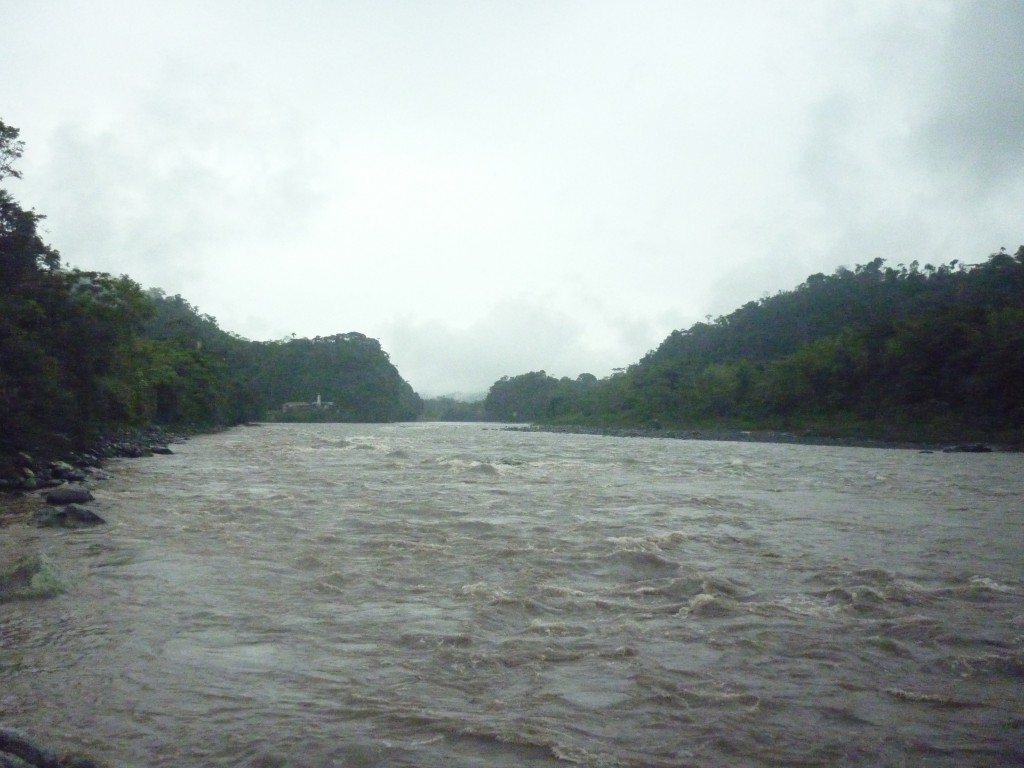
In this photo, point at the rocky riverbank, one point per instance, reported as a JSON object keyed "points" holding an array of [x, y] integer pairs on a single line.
{"points": [[22, 471], [51, 493]]}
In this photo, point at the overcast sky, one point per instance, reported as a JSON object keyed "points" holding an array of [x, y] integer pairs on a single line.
{"points": [[491, 188]]}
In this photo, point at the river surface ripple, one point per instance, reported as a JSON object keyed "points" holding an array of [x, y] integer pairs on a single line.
{"points": [[460, 595]]}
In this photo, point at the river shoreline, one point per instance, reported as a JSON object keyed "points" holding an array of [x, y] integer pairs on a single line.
{"points": [[761, 436], [31, 469]]}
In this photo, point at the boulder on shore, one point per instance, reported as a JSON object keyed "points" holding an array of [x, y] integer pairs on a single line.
{"points": [[25, 752], [30, 577], [71, 516], [69, 495], [61, 470]]}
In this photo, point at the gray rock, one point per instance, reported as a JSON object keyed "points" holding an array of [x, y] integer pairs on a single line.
{"points": [[30, 577], [61, 470], [71, 516], [26, 752], [69, 496]]}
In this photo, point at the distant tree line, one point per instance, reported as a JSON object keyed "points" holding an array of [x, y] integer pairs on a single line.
{"points": [[905, 352], [452, 409], [84, 354]]}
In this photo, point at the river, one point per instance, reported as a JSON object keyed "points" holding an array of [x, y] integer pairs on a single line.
{"points": [[462, 595]]}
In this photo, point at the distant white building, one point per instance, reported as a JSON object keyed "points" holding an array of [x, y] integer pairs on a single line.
{"points": [[300, 405]]}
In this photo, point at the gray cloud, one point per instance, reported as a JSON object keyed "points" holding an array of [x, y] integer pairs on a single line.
{"points": [[911, 150], [199, 171], [491, 190], [973, 132], [516, 335]]}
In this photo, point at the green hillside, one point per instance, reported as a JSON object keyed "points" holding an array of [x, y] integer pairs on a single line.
{"points": [[905, 352]]}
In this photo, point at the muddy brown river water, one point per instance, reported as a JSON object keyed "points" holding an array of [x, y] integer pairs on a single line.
{"points": [[459, 595]]}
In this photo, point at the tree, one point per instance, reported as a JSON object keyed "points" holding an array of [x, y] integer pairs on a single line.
{"points": [[10, 150]]}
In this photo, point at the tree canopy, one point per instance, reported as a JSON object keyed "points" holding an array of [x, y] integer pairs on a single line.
{"points": [[893, 352]]}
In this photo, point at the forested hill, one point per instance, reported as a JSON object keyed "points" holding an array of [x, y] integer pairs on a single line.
{"points": [[905, 352], [220, 377], [83, 354]]}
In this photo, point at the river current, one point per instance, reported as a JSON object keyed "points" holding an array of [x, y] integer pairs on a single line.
{"points": [[462, 595]]}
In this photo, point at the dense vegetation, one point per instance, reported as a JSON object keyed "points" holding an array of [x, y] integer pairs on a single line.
{"points": [[83, 354], [887, 352], [219, 377], [350, 372]]}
